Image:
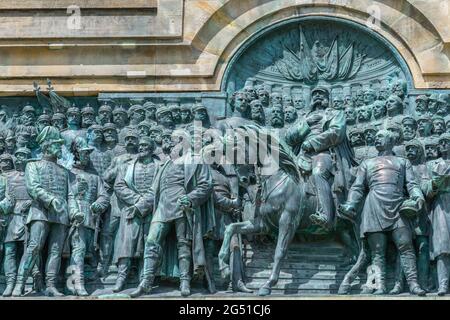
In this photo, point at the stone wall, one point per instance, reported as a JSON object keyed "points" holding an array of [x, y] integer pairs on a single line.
{"points": [[101, 46]]}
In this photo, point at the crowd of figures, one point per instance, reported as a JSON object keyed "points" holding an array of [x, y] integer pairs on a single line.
{"points": [[81, 186]]}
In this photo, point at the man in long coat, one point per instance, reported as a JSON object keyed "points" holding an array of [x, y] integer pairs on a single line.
{"points": [[133, 187]]}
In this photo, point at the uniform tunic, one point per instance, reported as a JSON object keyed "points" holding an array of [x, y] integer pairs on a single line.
{"points": [[385, 178]]}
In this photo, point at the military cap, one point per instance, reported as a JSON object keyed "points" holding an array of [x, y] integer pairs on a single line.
{"points": [[162, 110], [23, 150], [444, 136], [156, 128], [145, 124], [369, 127], [109, 126], [73, 110], [430, 141], [135, 108], [409, 119], [119, 109], [146, 140], [49, 134], [422, 97], [415, 143], [437, 117], [198, 106], [447, 119], [321, 89], [96, 126], [174, 106], [105, 107], [6, 156], [424, 118], [87, 109], [44, 117], [356, 130], [166, 133], [28, 108], [131, 133], [58, 116], [186, 107], [149, 105], [9, 134]]}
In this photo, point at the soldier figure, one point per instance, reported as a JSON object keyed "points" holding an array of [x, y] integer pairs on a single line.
{"points": [[290, 115], [442, 106], [338, 103], [437, 191], [100, 158], [17, 211], [111, 139], [10, 142], [120, 119], [350, 116], [276, 119], [182, 189], [394, 107], [186, 114], [134, 188], [438, 126], [136, 114], [323, 137], [73, 126], [150, 111], [91, 201], [43, 121], [364, 114], [59, 121], [176, 113], [144, 128], [48, 185], [87, 117], [433, 104], [104, 114], [424, 127], [385, 180], [409, 128], [164, 118], [422, 105], [201, 114], [112, 217]]}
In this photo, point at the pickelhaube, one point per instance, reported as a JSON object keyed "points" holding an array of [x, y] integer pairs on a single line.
{"points": [[58, 116], [23, 150], [44, 117], [149, 105], [134, 108], [119, 109], [74, 110], [80, 144], [28, 108], [422, 97], [157, 128], [87, 110], [198, 106], [105, 107], [95, 126], [109, 126], [444, 136], [186, 107], [131, 133], [145, 124], [409, 120]]}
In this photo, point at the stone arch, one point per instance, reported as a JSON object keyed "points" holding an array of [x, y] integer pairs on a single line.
{"points": [[235, 22]]}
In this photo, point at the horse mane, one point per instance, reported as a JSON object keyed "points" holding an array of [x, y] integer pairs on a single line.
{"points": [[286, 158]]}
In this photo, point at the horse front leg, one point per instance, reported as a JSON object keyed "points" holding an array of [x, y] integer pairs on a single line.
{"points": [[363, 260], [287, 228], [245, 227]]}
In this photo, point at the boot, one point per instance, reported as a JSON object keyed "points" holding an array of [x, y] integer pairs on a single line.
{"points": [[398, 288], [410, 270], [145, 287], [185, 288], [19, 288], [442, 274], [120, 284], [38, 283], [443, 288], [51, 291], [9, 289], [240, 287], [80, 290]]}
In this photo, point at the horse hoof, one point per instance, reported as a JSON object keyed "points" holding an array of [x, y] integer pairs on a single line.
{"points": [[344, 289], [264, 291]]}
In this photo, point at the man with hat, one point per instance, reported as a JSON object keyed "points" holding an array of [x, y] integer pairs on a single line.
{"points": [[421, 224], [409, 128], [396, 129], [432, 152], [91, 201], [433, 104], [100, 158], [136, 114], [394, 108], [176, 113], [150, 111], [424, 127], [104, 114], [120, 119], [10, 142], [387, 187], [27, 119], [438, 125], [422, 105], [323, 137], [73, 126], [186, 114], [112, 217], [356, 136], [20, 203], [133, 188], [48, 185], [144, 128], [442, 107], [87, 117], [437, 189], [42, 121], [59, 121], [201, 114], [164, 117], [111, 139]]}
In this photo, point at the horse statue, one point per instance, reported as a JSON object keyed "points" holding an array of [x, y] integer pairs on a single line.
{"points": [[280, 195]]}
